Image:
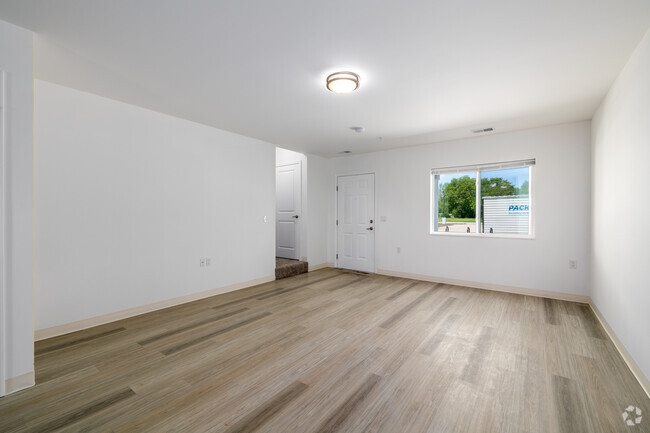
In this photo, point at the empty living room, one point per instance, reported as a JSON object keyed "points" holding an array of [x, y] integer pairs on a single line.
{"points": [[300, 216]]}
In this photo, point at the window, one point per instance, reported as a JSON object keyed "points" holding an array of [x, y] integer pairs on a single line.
{"points": [[487, 199]]}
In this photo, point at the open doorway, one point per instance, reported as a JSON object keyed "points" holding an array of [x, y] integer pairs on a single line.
{"points": [[290, 168]]}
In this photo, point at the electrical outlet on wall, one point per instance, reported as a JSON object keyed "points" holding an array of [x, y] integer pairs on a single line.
{"points": [[573, 264], [202, 263], [399, 250], [208, 261]]}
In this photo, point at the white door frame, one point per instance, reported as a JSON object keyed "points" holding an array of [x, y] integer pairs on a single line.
{"points": [[301, 219], [3, 233], [336, 215]]}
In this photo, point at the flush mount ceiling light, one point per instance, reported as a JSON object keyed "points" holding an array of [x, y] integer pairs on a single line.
{"points": [[343, 82]]}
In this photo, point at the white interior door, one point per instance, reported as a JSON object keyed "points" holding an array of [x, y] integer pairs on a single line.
{"points": [[288, 191], [356, 222]]}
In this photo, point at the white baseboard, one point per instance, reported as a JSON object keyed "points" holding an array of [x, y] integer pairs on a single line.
{"points": [[42, 334], [320, 266], [19, 382], [636, 371], [494, 287]]}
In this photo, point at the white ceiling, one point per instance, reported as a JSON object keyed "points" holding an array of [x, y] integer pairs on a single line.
{"points": [[430, 70]]}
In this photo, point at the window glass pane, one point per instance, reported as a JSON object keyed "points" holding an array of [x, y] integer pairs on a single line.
{"points": [[457, 202], [505, 202]]}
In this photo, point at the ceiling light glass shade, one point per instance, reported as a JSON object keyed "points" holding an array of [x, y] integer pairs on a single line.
{"points": [[343, 82]]}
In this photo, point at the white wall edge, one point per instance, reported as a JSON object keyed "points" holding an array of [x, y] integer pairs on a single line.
{"points": [[636, 371], [19, 382], [3, 239], [320, 266], [42, 334], [494, 287]]}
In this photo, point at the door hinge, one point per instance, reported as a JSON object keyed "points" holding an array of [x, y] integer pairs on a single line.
{"points": [[337, 187], [337, 222], [337, 256]]}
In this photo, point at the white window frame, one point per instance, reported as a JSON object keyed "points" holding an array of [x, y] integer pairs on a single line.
{"points": [[478, 168]]}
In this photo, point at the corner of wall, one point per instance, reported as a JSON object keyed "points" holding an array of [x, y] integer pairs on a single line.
{"points": [[619, 252], [16, 46], [17, 383]]}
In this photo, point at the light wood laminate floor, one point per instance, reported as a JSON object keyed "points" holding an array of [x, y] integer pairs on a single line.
{"points": [[336, 351]]}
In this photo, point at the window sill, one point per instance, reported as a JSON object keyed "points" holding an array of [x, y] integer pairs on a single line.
{"points": [[484, 235]]}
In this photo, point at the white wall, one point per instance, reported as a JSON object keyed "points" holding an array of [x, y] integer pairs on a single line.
{"points": [[129, 200], [16, 61], [320, 212], [286, 156], [620, 238], [561, 205]]}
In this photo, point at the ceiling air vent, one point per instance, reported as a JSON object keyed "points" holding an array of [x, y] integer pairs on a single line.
{"points": [[480, 131]]}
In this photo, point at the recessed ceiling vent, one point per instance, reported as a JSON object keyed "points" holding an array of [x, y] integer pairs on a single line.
{"points": [[345, 151], [480, 131]]}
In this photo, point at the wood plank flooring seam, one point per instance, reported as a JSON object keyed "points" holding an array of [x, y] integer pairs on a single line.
{"points": [[483, 346], [401, 291], [213, 334], [190, 326], [255, 419], [48, 349], [401, 313], [334, 422], [442, 309], [344, 285], [290, 289], [83, 412], [435, 340]]}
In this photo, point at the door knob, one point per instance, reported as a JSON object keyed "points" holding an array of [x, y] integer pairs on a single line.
{"points": [[369, 228], [295, 216]]}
